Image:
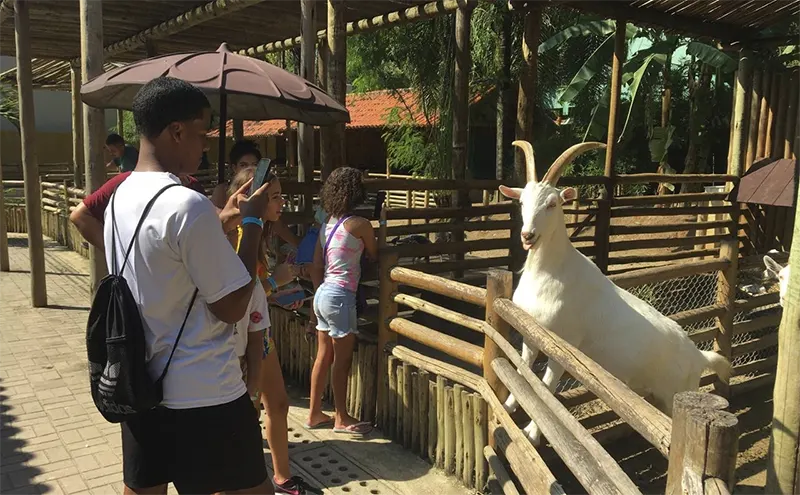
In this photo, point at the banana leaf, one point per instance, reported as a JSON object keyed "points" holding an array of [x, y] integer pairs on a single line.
{"points": [[635, 81], [711, 56], [597, 28], [660, 141]]}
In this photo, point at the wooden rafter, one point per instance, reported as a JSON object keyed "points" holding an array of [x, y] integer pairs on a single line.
{"points": [[411, 14]]}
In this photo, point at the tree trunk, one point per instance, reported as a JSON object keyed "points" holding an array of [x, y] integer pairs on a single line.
{"points": [[666, 103], [503, 59], [698, 144]]}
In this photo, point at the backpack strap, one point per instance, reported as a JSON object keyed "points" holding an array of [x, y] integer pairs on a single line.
{"points": [[147, 208], [328, 240], [180, 332]]}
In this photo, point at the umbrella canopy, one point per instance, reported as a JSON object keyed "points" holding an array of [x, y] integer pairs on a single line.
{"points": [[238, 87], [768, 182]]}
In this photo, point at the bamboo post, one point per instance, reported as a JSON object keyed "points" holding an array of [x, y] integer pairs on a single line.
{"points": [[791, 116], [390, 426], [400, 413], [433, 411], [528, 78], [414, 409], [772, 103], [752, 133], [441, 414], [369, 379], [408, 395], [499, 284], [449, 431], [704, 443], [616, 85], [468, 463], [783, 466], [30, 167], [91, 18], [762, 115], [5, 266], [305, 132], [479, 422], [423, 382], [780, 116], [458, 425], [77, 123], [337, 82], [387, 307]]}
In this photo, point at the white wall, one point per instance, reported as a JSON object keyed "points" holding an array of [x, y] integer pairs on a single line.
{"points": [[53, 109]]}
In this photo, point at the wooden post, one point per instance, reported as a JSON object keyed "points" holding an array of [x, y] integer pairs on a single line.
{"points": [[121, 122], [616, 85], [601, 231], [791, 116], [65, 185], [780, 115], [238, 129], [4, 261], [499, 283], [337, 83], [502, 84], [726, 296], [752, 132], [323, 61], [30, 167], [526, 99], [77, 123], [704, 443], [387, 307], [305, 132], [91, 18], [763, 115], [783, 466], [772, 100]]}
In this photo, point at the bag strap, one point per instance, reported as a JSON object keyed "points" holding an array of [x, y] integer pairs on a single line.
{"points": [[328, 240], [180, 332], [147, 208]]}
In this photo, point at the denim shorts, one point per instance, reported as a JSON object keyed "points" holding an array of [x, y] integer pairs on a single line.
{"points": [[335, 308]]}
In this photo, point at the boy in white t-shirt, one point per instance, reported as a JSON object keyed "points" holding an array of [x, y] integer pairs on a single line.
{"points": [[249, 335]]}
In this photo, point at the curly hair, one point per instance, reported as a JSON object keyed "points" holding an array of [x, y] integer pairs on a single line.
{"points": [[242, 148], [342, 191]]}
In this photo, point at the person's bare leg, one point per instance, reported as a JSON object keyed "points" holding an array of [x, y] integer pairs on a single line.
{"points": [[342, 360], [319, 377], [154, 490], [276, 406]]}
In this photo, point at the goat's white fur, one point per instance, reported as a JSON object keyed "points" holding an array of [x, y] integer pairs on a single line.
{"points": [[774, 269], [567, 294]]}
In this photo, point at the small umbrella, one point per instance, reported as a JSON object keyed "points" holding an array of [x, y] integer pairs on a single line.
{"points": [[237, 86]]}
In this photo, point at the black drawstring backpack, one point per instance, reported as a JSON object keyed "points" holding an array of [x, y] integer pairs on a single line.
{"points": [[115, 344]]}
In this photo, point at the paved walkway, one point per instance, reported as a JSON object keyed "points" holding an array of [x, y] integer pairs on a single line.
{"points": [[54, 441]]}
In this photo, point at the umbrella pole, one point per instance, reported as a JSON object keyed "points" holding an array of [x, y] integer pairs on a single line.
{"points": [[223, 117]]}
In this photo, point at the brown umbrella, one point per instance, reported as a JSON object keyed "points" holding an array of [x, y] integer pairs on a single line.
{"points": [[237, 86]]}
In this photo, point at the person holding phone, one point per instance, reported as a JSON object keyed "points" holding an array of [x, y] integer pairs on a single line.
{"points": [[271, 388]]}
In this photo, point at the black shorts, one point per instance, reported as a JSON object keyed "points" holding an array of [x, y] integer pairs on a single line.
{"points": [[203, 450]]}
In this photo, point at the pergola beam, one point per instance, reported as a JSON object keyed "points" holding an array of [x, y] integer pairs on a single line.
{"points": [[411, 14], [188, 19]]}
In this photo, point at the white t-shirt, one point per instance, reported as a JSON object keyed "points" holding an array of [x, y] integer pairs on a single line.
{"points": [[255, 320], [180, 247]]}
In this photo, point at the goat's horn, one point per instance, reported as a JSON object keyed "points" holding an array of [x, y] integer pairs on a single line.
{"points": [[558, 166], [530, 162]]}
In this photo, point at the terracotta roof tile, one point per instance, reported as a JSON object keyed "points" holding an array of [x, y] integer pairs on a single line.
{"points": [[371, 109]]}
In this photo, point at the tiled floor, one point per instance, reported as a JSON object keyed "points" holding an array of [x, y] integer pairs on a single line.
{"points": [[54, 440]]}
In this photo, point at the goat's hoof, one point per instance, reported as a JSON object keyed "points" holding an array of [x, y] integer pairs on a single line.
{"points": [[511, 405], [533, 433]]}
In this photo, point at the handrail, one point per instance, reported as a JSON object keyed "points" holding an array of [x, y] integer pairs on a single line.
{"points": [[455, 290]]}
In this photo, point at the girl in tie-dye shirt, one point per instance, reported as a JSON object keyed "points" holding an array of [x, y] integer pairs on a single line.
{"points": [[343, 238]]}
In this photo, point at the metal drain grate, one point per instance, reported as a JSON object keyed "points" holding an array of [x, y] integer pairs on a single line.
{"points": [[338, 474]]}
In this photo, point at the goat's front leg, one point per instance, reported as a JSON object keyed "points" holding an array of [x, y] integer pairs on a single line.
{"points": [[551, 378], [529, 355]]}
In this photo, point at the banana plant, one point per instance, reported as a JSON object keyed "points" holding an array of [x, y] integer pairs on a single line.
{"points": [[9, 104]]}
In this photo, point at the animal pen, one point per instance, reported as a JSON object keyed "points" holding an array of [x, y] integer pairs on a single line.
{"points": [[438, 347]]}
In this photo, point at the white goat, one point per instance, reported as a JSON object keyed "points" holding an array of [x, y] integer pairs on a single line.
{"points": [[566, 293], [774, 269]]}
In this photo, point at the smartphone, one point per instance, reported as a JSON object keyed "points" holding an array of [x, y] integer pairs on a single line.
{"points": [[261, 173]]}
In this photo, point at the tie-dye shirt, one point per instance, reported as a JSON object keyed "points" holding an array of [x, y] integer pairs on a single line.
{"points": [[343, 259]]}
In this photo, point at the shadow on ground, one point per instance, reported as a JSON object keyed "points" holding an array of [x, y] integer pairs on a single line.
{"points": [[16, 471]]}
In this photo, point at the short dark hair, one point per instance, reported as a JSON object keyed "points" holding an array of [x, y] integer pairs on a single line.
{"points": [[342, 191], [165, 100], [241, 148], [115, 139]]}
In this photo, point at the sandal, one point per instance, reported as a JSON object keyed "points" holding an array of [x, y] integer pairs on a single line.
{"points": [[361, 428], [319, 426]]}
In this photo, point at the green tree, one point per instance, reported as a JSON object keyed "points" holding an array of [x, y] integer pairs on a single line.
{"points": [[9, 104]]}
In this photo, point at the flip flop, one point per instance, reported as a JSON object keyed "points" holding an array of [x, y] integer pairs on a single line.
{"points": [[319, 426], [361, 428]]}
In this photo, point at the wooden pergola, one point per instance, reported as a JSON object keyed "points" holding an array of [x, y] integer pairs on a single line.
{"points": [[64, 36]]}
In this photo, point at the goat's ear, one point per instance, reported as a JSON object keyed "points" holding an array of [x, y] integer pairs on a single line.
{"points": [[773, 268], [569, 194], [510, 192]]}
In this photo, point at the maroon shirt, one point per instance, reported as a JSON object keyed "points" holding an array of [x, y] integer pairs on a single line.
{"points": [[97, 202]]}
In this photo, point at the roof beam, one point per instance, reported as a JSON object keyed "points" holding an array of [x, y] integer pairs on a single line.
{"points": [[188, 19], [673, 22], [411, 14]]}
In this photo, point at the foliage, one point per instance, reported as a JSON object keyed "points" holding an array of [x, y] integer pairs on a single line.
{"points": [[9, 104], [128, 127]]}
